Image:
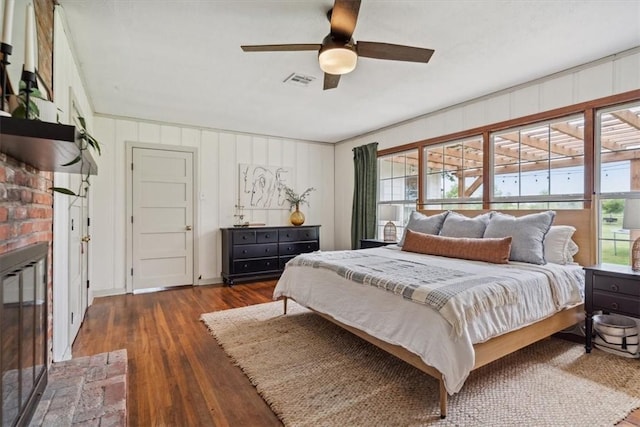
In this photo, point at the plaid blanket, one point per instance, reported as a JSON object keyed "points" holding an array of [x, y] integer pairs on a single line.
{"points": [[458, 294]]}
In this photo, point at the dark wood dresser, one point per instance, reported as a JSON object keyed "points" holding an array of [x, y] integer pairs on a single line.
{"points": [[612, 289], [255, 253]]}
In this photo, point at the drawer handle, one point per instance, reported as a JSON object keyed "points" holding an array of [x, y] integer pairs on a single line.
{"points": [[614, 305], [245, 266], [289, 248], [268, 264], [266, 236], [244, 237], [615, 288], [244, 251], [266, 250]]}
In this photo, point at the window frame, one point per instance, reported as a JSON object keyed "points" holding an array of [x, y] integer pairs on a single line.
{"points": [[591, 164], [597, 177]]}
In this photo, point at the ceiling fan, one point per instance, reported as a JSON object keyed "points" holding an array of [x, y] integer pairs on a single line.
{"points": [[338, 52]]}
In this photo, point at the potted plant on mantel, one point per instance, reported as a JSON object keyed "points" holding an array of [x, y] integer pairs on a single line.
{"points": [[85, 140], [294, 199]]}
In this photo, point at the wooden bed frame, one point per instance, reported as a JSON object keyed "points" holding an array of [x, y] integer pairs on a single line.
{"points": [[495, 348]]}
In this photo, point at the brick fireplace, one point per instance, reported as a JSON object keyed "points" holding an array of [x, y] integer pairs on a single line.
{"points": [[26, 221]]}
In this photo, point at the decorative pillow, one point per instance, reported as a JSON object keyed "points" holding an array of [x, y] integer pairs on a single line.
{"points": [[558, 246], [488, 250], [424, 224], [458, 225], [528, 234]]}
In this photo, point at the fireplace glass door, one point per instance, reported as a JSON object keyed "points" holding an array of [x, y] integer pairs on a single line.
{"points": [[23, 334]]}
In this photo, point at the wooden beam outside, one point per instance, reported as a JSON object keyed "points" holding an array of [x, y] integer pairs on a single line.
{"points": [[627, 117]]}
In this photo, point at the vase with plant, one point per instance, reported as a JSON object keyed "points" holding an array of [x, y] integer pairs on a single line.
{"points": [[85, 142], [40, 108], [295, 199]]}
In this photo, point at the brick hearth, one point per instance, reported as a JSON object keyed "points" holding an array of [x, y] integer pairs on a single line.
{"points": [[87, 391]]}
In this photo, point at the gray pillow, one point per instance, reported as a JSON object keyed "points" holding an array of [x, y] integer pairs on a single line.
{"points": [[424, 224], [458, 225], [527, 232]]}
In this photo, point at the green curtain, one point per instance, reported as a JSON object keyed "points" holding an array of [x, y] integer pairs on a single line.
{"points": [[365, 189]]}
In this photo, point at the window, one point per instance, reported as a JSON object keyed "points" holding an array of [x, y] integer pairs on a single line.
{"points": [[539, 166], [618, 141], [536, 162], [453, 174], [398, 185]]}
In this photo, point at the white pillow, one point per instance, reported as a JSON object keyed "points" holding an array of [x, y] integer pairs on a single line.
{"points": [[558, 246]]}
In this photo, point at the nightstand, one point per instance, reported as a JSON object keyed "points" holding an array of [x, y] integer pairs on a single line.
{"points": [[612, 289], [374, 243]]}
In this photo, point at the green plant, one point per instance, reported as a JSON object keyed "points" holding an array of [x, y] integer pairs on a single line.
{"points": [[295, 199], [21, 110], [86, 141]]}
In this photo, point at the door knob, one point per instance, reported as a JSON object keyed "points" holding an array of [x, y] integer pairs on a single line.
{"points": [[86, 239], [188, 228]]}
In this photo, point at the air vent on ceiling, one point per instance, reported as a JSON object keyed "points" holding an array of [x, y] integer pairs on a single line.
{"points": [[297, 79]]}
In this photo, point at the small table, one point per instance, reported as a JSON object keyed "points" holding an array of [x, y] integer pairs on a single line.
{"points": [[374, 243], [612, 289]]}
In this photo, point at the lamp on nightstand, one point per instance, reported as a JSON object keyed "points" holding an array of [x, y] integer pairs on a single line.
{"points": [[631, 221], [390, 213]]}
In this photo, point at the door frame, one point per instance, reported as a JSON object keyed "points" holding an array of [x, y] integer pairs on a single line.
{"points": [[129, 146]]}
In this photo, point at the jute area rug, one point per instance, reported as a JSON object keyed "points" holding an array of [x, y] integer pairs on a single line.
{"points": [[313, 373]]}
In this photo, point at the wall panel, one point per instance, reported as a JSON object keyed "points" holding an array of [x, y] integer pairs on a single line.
{"points": [[594, 82], [219, 154]]}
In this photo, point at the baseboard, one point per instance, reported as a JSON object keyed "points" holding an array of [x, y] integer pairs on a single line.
{"points": [[211, 281], [108, 293]]}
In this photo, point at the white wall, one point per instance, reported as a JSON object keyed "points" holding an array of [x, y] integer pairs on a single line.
{"points": [[609, 76], [66, 75], [219, 154]]}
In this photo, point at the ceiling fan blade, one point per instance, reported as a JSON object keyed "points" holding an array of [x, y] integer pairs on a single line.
{"points": [[279, 47], [331, 81], [344, 16], [394, 52]]}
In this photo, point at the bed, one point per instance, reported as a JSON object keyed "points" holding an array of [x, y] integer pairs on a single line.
{"points": [[446, 340]]}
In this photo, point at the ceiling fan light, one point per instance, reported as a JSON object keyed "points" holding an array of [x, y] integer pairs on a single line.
{"points": [[338, 60]]}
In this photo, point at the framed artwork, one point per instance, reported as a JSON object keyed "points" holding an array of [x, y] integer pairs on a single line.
{"points": [[262, 187]]}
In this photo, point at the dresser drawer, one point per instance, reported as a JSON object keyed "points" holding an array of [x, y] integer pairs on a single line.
{"points": [[616, 284], [288, 235], [295, 248], [608, 301], [255, 265], [298, 234], [255, 251], [308, 234], [243, 237], [285, 259], [269, 236]]}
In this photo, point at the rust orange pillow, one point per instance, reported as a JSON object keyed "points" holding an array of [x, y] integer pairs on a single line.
{"points": [[494, 250]]}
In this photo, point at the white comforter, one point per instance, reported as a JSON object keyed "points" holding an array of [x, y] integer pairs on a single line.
{"points": [[419, 328]]}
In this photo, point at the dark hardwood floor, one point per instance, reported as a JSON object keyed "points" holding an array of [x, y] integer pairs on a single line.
{"points": [[178, 375]]}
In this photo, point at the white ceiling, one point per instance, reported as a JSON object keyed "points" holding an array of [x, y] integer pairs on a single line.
{"points": [[181, 62]]}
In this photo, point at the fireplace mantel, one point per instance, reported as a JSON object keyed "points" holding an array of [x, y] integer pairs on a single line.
{"points": [[43, 145]]}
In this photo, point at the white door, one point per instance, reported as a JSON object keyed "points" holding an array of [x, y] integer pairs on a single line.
{"points": [[162, 218], [78, 262]]}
